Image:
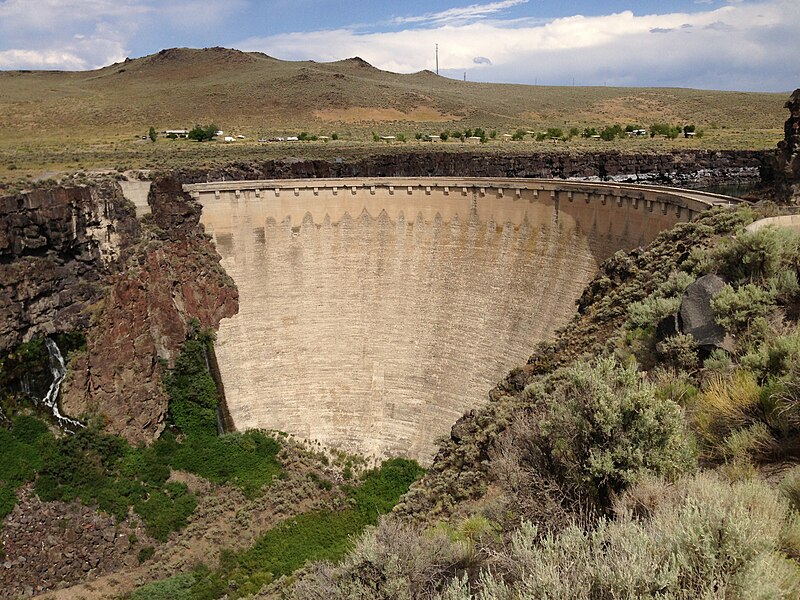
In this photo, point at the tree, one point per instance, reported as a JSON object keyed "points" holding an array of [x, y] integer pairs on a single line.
{"points": [[203, 133], [152, 134]]}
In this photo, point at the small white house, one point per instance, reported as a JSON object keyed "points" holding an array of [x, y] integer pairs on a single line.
{"points": [[474, 139], [229, 138], [219, 133]]}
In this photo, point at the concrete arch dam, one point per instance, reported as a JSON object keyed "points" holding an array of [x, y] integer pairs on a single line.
{"points": [[374, 312]]}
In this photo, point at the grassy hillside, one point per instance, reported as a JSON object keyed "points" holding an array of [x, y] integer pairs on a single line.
{"points": [[68, 120]]}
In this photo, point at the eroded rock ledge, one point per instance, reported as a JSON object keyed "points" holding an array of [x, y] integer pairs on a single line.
{"points": [[77, 258]]}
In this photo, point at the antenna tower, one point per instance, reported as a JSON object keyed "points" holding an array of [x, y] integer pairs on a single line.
{"points": [[437, 59]]}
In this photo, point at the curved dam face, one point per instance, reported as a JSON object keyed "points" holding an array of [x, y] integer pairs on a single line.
{"points": [[373, 313]]}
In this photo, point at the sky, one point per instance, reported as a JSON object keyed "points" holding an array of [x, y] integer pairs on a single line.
{"points": [[744, 45]]}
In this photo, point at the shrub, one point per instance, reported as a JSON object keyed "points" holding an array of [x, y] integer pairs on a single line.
{"points": [[166, 510], [394, 560], [739, 309], [611, 132], [594, 430], [753, 257], [680, 351], [177, 587], [705, 539], [651, 310], [146, 554], [555, 132], [321, 535], [202, 133]]}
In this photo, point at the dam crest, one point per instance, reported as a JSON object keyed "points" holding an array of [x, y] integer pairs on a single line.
{"points": [[375, 311]]}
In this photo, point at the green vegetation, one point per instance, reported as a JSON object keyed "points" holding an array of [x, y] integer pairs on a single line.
{"points": [[309, 536], [599, 457], [697, 538], [178, 587], [104, 470], [246, 459], [203, 133], [669, 131]]}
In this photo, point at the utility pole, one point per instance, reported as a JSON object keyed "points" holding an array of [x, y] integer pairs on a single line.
{"points": [[437, 59], [465, 75]]}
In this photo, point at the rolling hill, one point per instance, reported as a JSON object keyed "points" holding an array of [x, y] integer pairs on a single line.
{"points": [[253, 92]]}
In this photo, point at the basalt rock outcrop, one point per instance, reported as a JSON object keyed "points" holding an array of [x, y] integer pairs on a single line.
{"points": [[56, 246], [77, 259], [684, 168], [50, 545], [788, 156], [173, 277]]}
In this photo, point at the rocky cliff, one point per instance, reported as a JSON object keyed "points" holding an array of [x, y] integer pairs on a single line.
{"points": [[700, 168], [56, 246], [77, 259], [787, 173]]}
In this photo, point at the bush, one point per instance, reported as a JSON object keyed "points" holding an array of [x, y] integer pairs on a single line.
{"points": [[555, 132], [611, 132], [753, 257], [166, 510], [394, 560], [202, 133], [321, 535], [177, 587], [705, 539], [739, 309], [670, 131], [591, 432]]}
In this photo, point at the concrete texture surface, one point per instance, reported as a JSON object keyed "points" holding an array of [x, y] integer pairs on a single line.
{"points": [[373, 313]]}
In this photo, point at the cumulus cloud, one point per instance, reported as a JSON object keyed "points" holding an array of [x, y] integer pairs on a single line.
{"points": [[86, 34], [755, 51]]}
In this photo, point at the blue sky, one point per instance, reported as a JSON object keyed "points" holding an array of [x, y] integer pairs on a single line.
{"points": [[715, 44]]}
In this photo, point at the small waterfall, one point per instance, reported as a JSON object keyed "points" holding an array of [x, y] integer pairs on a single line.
{"points": [[59, 371]]}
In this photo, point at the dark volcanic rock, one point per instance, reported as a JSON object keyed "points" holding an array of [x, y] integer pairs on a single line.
{"points": [[787, 173], [697, 316], [173, 277], [56, 246], [55, 544], [77, 259], [687, 168]]}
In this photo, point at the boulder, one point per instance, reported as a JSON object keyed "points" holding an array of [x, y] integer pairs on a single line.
{"points": [[696, 316]]}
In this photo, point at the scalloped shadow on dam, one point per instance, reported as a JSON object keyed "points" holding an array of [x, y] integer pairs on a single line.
{"points": [[374, 313]]}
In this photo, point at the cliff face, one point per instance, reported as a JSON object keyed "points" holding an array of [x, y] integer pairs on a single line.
{"points": [[56, 246], [173, 276], [788, 155], [700, 168], [77, 259]]}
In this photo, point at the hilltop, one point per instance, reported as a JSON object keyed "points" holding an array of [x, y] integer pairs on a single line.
{"points": [[254, 92]]}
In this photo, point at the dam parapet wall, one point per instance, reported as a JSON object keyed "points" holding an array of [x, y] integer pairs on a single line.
{"points": [[374, 312]]}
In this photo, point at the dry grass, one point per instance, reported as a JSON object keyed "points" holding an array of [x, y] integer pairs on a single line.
{"points": [[57, 121]]}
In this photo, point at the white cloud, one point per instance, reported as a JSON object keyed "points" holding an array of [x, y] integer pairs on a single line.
{"points": [[86, 34], [755, 49], [460, 14]]}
